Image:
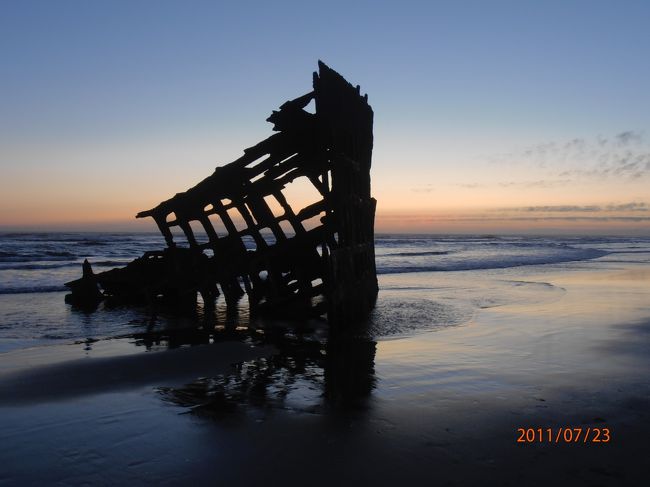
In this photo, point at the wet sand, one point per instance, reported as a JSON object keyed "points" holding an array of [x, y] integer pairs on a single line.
{"points": [[470, 357]]}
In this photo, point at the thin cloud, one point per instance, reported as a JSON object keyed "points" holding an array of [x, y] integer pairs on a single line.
{"points": [[539, 183], [634, 219], [559, 209], [625, 155], [631, 206], [472, 185], [628, 137], [528, 218], [627, 166], [423, 189]]}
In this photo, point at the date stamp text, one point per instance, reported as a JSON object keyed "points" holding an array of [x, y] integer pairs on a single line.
{"points": [[564, 435]]}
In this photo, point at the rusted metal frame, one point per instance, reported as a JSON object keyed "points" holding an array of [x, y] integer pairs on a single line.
{"points": [[265, 217], [271, 145], [229, 285], [332, 148], [285, 165], [209, 228], [254, 230], [273, 160], [294, 173], [289, 213], [164, 229], [301, 275], [312, 210]]}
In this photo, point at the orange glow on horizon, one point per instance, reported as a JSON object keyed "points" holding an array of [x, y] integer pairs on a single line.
{"points": [[487, 221]]}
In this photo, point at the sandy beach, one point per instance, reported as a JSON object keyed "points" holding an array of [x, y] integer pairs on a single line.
{"points": [[438, 402]]}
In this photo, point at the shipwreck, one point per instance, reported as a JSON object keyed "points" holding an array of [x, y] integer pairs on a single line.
{"points": [[235, 233]]}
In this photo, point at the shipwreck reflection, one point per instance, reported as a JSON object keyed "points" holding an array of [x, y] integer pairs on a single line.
{"points": [[308, 372]]}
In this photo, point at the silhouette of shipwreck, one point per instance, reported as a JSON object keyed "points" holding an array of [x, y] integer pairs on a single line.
{"points": [[240, 230]]}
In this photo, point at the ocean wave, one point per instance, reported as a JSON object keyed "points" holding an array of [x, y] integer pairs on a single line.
{"points": [[496, 262], [35, 267], [35, 257], [58, 253], [73, 237], [32, 289], [110, 263], [92, 243], [417, 254]]}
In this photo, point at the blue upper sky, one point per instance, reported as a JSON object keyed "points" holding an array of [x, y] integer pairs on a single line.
{"points": [[452, 83]]}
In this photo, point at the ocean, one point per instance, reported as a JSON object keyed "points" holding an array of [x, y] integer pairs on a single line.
{"points": [[34, 266]]}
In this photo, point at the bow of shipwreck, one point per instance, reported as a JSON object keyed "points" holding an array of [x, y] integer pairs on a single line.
{"points": [[237, 229]]}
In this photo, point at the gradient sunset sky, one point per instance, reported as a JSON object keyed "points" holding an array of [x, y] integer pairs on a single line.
{"points": [[490, 116]]}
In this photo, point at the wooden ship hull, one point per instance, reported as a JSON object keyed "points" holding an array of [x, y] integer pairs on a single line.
{"points": [[311, 261]]}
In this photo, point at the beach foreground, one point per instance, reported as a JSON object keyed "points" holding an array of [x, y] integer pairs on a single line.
{"points": [[434, 392]]}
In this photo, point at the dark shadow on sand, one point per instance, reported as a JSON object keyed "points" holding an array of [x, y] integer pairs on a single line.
{"points": [[305, 374], [217, 360], [212, 362]]}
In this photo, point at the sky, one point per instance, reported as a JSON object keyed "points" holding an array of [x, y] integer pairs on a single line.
{"points": [[490, 117]]}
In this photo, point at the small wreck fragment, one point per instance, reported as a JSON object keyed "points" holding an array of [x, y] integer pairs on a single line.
{"points": [[239, 228]]}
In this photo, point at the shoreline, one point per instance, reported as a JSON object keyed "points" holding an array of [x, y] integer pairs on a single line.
{"points": [[549, 349]]}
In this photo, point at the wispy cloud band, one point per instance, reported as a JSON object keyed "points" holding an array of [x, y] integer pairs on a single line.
{"points": [[625, 155]]}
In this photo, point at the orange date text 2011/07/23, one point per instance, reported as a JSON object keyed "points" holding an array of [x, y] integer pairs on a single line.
{"points": [[564, 435]]}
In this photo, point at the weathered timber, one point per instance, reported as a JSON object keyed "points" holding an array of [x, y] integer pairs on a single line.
{"points": [[314, 260]]}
